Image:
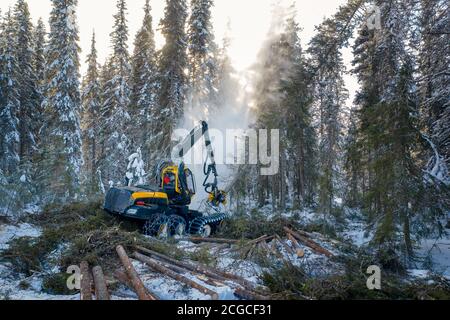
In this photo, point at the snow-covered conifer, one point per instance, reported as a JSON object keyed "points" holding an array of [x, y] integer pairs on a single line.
{"points": [[116, 103], [63, 101]]}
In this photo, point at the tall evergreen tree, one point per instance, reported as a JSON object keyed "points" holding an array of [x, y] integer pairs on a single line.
{"points": [[39, 65], [30, 99], [9, 98], [434, 61], [63, 102], [330, 97], [116, 102], [283, 100], [387, 140], [39, 61], [227, 79], [173, 64], [301, 136], [202, 56], [144, 83], [91, 104]]}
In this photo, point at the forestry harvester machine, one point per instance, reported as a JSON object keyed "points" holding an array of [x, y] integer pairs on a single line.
{"points": [[164, 206]]}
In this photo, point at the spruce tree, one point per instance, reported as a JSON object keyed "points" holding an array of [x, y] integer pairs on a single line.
{"points": [[283, 102], [386, 147], [173, 63], [63, 103], [30, 99], [434, 59], [330, 97], [39, 62], [227, 83], [116, 103], [9, 98], [91, 104], [202, 56], [144, 84], [39, 65]]}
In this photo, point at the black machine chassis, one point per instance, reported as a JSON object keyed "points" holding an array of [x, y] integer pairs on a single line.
{"points": [[195, 220]]}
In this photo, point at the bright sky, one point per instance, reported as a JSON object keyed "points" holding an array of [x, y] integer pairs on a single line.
{"points": [[249, 19]]}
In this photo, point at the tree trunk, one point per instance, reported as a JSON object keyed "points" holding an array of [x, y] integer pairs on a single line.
{"points": [[213, 240], [244, 294], [407, 235], [313, 245], [86, 282], [136, 282], [158, 267], [209, 272], [101, 290]]}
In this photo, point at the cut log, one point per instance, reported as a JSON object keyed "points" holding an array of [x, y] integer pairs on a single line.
{"points": [[101, 290], [249, 252], [213, 240], [294, 241], [310, 243], [254, 242], [155, 265], [248, 295], [207, 271], [85, 282], [136, 282], [209, 281], [276, 251], [260, 239], [122, 277], [298, 250], [285, 246]]}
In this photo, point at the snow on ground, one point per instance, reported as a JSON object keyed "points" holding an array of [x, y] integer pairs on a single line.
{"points": [[16, 286], [19, 287], [439, 252], [167, 288], [356, 234], [10, 232], [436, 251]]}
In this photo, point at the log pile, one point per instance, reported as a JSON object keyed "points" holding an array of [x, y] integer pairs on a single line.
{"points": [[195, 275], [308, 242], [213, 240], [216, 274], [133, 276], [93, 281], [175, 269], [161, 268]]}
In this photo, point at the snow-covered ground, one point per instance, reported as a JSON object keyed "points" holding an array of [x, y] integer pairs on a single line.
{"points": [[10, 232], [18, 286], [11, 284], [436, 251], [439, 252]]}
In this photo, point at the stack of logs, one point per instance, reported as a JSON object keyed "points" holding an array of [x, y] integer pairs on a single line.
{"points": [[99, 283], [177, 270]]}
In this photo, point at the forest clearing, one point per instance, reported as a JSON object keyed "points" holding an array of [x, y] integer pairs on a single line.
{"points": [[317, 169]]}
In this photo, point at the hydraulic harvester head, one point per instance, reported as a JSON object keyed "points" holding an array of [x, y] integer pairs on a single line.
{"points": [[217, 198]]}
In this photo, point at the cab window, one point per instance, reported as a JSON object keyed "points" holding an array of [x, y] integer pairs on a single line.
{"points": [[190, 180]]}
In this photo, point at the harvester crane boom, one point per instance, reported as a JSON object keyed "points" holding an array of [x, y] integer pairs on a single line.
{"points": [[209, 166]]}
